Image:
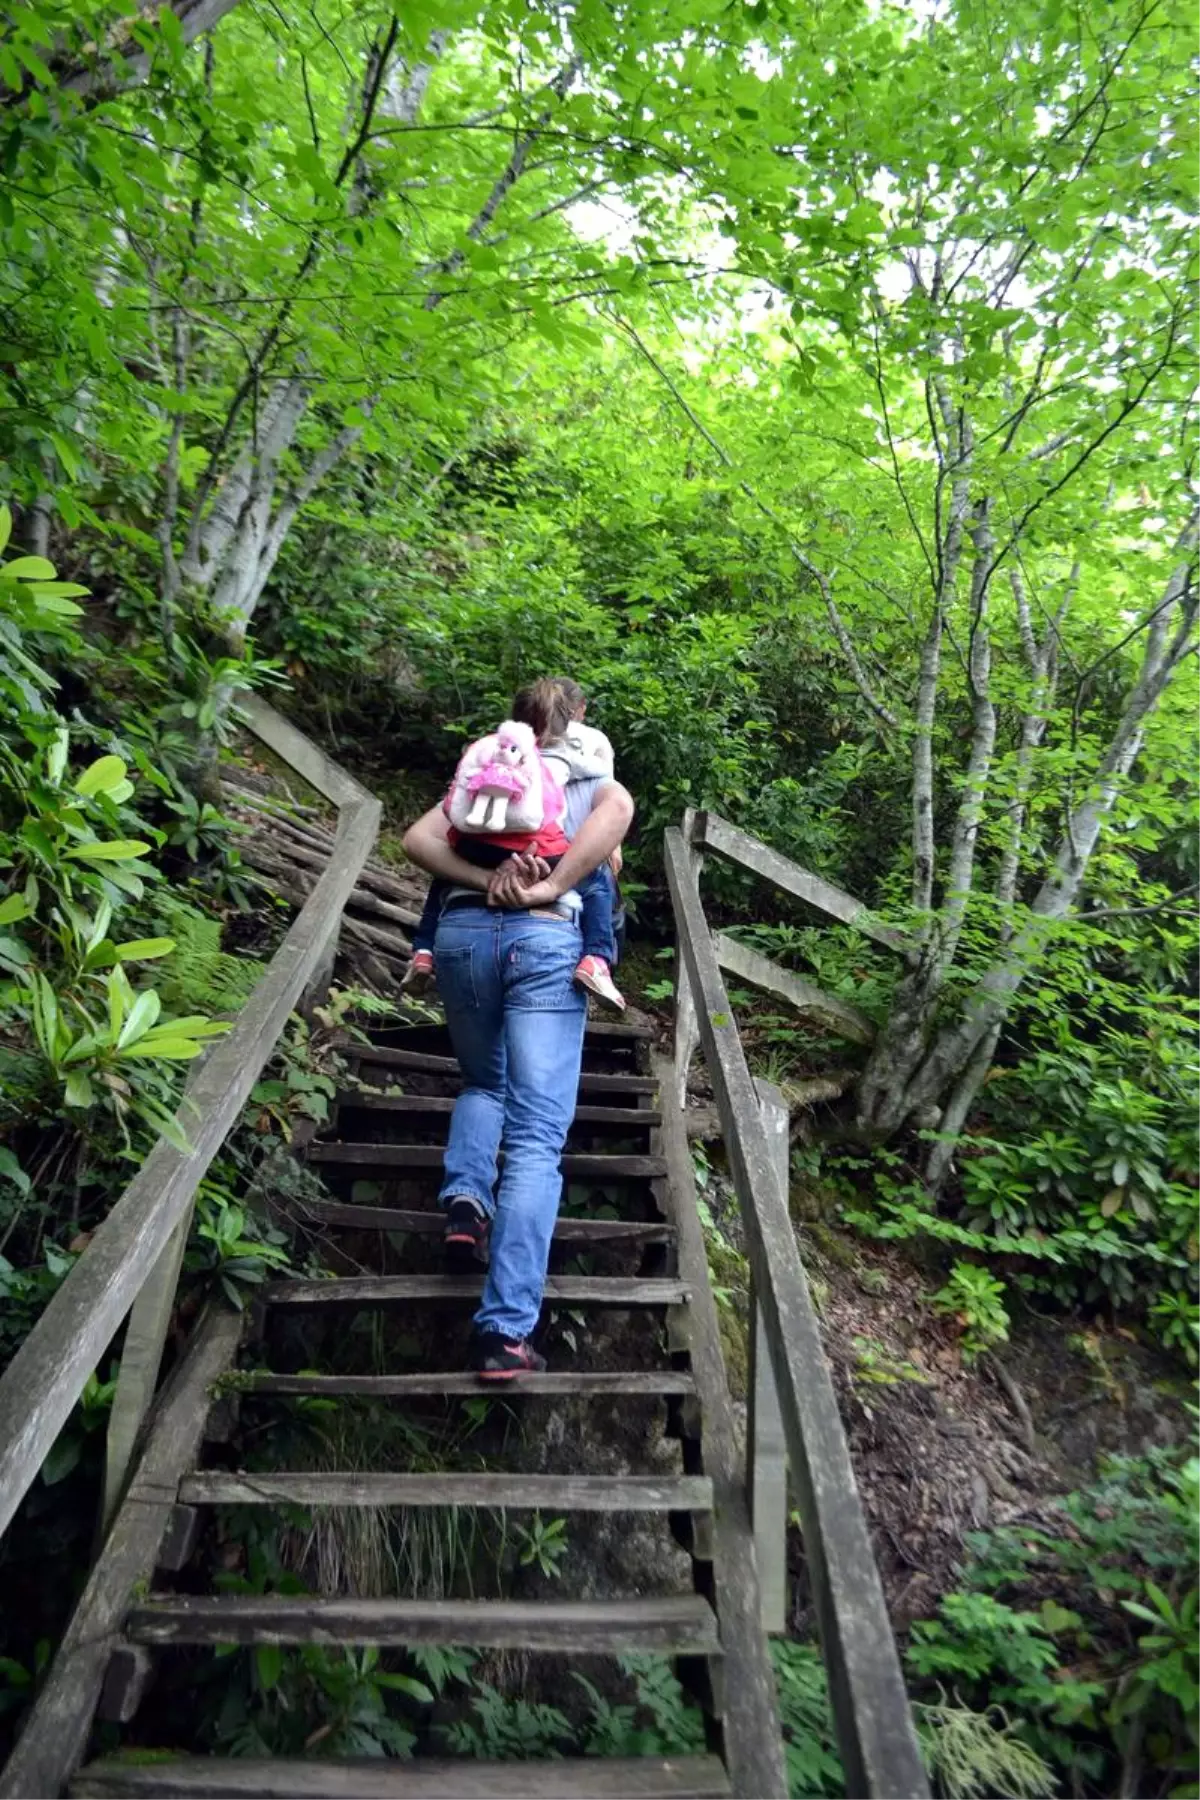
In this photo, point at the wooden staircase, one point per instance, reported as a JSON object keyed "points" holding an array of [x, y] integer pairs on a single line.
{"points": [[626, 1153]]}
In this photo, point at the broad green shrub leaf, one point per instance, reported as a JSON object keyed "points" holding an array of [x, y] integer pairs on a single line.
{"points": [[29, 568], [100, 777], [118, 850], [10, 1168], [144, 949], [142, 1015]]}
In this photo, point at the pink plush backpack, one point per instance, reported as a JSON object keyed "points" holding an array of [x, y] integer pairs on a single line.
{"points": [[502, 785]]}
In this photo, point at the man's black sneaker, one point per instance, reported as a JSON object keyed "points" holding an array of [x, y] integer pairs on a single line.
{"points": [[465, 1239], [494, 1358]]}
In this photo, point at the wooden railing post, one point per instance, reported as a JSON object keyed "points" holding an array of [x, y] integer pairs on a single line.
{"points": [[141, 1359], [766, 1445], [687, 1031], [321, 980]]}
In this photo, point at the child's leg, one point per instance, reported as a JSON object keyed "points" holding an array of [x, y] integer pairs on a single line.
{"points": [[599, 947], [596, 919], [423, 936]]}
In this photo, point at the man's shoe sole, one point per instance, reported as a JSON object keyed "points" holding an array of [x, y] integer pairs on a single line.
{"points": [[464, 1252]]}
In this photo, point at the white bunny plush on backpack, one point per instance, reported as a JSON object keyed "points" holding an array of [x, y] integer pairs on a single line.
{"points": [[502, 784]]}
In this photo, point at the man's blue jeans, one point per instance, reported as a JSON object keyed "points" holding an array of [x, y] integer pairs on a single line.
{"points": [[516, 1021]]}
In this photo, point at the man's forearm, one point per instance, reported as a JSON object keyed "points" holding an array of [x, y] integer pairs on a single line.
{"points": [[425, 844], [596, 839]]}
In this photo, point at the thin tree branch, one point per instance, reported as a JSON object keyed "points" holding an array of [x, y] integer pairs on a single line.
{"points": [[857, 671]]}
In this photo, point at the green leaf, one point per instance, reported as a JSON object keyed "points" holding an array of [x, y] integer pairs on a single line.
{"points": [[14, 908], [120, 999], [64, 1457], [118, 850], [173, 1049], [142, 1014], [59, 590], [56, 756], [11, 1170], [29, 568], [5, 525], [100, 924], [144, 949], [79, 1089], [45, 1017], [100, 777]]}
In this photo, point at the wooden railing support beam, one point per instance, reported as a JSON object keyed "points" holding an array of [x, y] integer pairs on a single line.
{"points": [[711, 832], [766, 1444], [141, 1359], [687, 1032]]}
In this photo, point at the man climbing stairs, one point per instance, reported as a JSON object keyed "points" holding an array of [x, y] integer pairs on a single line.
{"points": [[640, 1305]]}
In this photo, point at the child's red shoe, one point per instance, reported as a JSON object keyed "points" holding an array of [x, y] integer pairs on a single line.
{"points": [[594, 974]]}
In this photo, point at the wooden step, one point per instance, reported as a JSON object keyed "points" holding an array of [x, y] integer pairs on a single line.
{"points": [[611, 1031], [425, 1778], [523, 1493], [675, 1624], [399, 1158], [426, 1062], [432, 1221], [628, 1118], [617, 1384], [402, 1290]]}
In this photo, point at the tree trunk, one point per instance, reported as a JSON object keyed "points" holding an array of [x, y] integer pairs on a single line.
{"points": [[915, 1061]]}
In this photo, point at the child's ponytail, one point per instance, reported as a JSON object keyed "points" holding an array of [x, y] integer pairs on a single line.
{"points": [[545, 708]]}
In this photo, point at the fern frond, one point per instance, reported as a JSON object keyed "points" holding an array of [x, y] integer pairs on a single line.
{"points": [[199, 976]]}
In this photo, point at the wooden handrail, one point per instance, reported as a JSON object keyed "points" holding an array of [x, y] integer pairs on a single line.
{"points": [[870, 1707], [712, 832], [47, 1376]]}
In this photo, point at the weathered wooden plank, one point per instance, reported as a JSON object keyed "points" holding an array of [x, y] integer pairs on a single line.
{"points": [[672, 1624], [687, 1037], [603, 1384], [141, 1359], [425, 1778], [57, 1728], [400, 1157], [401, 1290], [561, 1493], [766, 1446], [805, 996], [620, 1031], [753, 1740], [432, 1221], [874, 1725], [126, 1679], [422, 1062], [434, 1105], [716, 833], [614, 1032], [47, 1375]]}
